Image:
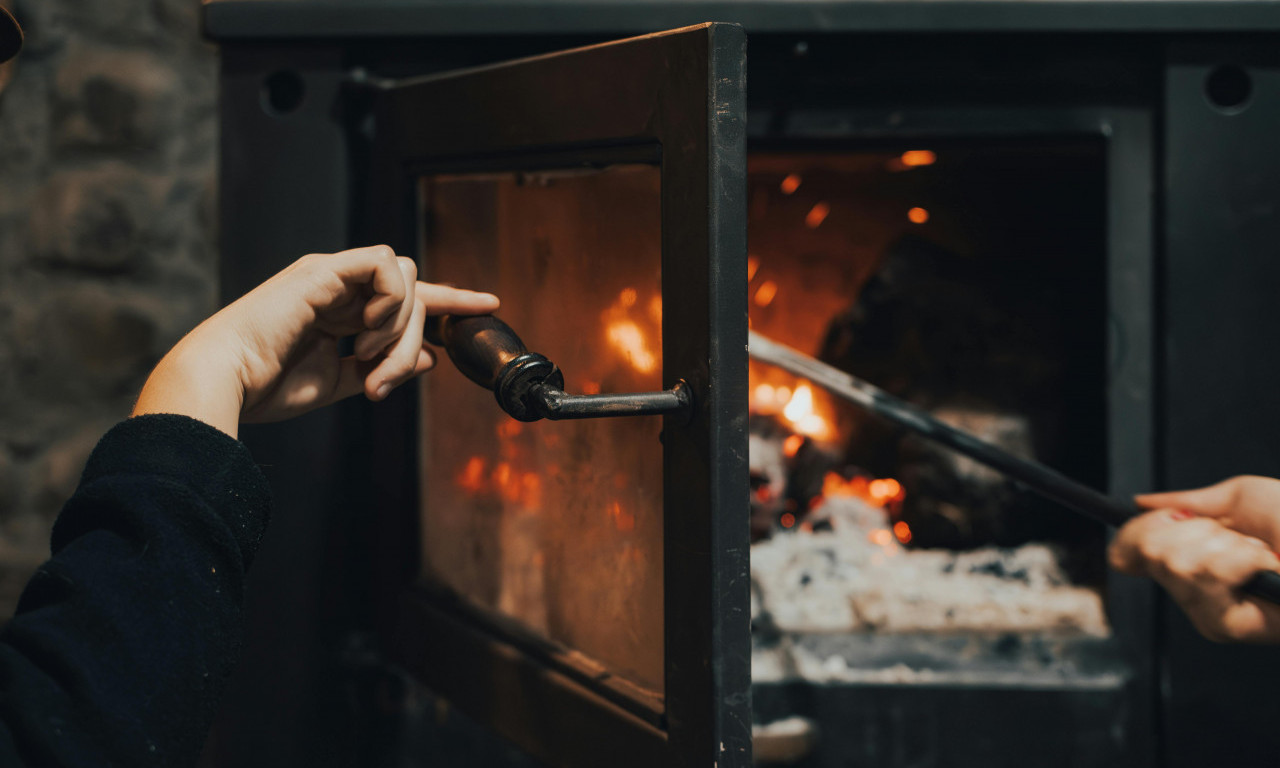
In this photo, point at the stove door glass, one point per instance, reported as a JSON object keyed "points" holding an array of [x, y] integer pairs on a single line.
{"points": [[556, 524]]}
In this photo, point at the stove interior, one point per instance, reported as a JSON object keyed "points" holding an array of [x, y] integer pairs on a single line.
{"points": [[969, 280]]}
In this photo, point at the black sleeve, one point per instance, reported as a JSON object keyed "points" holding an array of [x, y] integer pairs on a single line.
{"points": [[123, 641]]}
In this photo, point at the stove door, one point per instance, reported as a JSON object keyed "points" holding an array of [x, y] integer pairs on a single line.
{"points": [[582, 587]]}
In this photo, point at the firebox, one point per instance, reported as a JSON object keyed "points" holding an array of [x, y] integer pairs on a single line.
{"points": [[1048, 224]]}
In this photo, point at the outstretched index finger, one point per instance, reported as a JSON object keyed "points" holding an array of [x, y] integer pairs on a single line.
{"points": [[446, 300]]}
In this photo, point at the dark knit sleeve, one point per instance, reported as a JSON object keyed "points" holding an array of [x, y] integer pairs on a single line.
{"points": [[124, 639]]}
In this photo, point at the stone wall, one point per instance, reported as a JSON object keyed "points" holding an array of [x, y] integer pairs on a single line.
{"points": [[107, 253]]}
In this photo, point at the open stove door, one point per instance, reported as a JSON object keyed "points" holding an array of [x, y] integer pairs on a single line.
{"points": [[600, 191]]}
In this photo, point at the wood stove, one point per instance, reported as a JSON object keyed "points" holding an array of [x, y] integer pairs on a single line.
{"points": [[1045, 222]]}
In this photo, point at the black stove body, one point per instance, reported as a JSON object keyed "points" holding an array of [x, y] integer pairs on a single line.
{"points": [[1176, 103]]}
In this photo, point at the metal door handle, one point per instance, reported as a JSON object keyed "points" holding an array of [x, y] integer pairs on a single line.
{"points": [[530, 387]]}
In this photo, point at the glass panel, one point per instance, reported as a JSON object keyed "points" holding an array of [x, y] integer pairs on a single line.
{"points": [[555, 524]]}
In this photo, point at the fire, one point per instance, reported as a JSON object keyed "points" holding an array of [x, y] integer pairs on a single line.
{"points": [[628, 297], [799, 411], [766, 292], [472, 476], [885, 490], [918, 157], [792, 445], [881, 493], [623, 520], [655, 310], [817, 214], [918, 215], [790, 184], [628, 339]]}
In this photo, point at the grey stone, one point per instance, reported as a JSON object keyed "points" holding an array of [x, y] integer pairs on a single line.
{"points": [[85, 342], [96, 219], [107, 139], [114, 98]]}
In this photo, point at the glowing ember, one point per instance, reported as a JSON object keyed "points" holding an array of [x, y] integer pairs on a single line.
{"points": [[918, 215], [792, 445], [628, 339], [902, 531], [790, 184], [765, 293], [881, 493], [817, 214], [918, 157], [590, 387], [886, 490]]}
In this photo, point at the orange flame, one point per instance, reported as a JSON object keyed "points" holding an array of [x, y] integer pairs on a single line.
{"points": [[628, 339], [817, 214], [623, 520], [766, 292], [472, 476], [790, 184], [800, 413], [918, 157]]}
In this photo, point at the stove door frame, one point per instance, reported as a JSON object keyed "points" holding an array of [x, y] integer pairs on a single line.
{"points": [[681, 104]]}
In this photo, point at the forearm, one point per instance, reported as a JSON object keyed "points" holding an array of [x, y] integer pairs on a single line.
{"points": [[197, 378]]}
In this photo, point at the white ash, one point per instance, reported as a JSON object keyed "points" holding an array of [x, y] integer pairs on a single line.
{"points": [[856, 577]]}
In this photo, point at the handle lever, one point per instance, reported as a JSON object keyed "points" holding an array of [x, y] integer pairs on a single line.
{"points": [[530, 387]]}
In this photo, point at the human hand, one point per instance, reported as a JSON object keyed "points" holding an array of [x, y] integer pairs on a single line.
{"points": [[273, 354], [1201, 545]]}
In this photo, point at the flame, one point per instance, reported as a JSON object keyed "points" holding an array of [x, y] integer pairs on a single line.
{"points": [[902, 531], [628, 297], [880, 493], [885, 490], [628, 339], [765, 293], [918, 157], [792, 445], [510, 428], [918, 215], [623, 520], [800, 413], [790, 184], [817, 214], [655, 309], [472, 476]]}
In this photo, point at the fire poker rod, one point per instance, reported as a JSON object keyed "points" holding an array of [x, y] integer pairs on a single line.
{"points": [[1047, 482]]}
